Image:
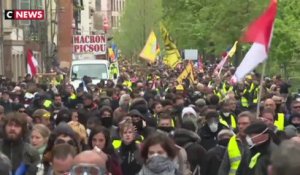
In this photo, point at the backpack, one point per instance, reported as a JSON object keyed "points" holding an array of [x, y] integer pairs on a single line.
{"points": [[196, 170]]}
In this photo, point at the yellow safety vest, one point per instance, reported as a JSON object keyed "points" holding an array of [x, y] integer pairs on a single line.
{"points": [[218, 93], [252, 86], [244, 100], [128, 84], [255, 99], [47, 103], [234, 154], [233, 122], [224, 91], [117, 143], [254, 160], [279, 123], [73, 97]]}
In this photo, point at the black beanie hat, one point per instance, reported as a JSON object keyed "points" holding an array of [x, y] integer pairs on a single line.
{"points": [[256, 128]]}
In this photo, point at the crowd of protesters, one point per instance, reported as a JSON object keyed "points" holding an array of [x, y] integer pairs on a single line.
{"points": [[150, 124]]}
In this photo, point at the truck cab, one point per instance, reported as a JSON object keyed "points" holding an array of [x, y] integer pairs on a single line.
{"points": [[96, 69]]}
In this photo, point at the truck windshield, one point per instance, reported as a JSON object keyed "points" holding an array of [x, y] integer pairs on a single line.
{"points": [[95, 71]]}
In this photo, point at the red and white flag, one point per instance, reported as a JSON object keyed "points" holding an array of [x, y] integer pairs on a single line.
{"points": [[260, 34], [32, 64]]}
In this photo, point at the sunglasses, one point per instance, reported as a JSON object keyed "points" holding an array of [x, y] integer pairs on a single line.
{"points": [[296, 107], [87, 169], [62, 141]]}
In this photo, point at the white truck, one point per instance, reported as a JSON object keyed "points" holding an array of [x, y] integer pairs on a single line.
{"points": [[96, 69]]}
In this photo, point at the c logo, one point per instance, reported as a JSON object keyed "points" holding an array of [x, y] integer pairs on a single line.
{"points": [[9, 14]]}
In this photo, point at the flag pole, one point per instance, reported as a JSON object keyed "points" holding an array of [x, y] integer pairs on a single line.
{"points": [[225, 59], [260, 89]]}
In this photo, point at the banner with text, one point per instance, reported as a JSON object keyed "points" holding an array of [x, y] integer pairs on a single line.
{"points": [[95, 44]]}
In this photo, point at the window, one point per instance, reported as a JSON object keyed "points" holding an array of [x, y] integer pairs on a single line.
{"points": [[39, 4], [13, 65], [22, 62], [95, 71], [18, 66], [112, 21], [98, 5], [117, 5], [112, 5]]}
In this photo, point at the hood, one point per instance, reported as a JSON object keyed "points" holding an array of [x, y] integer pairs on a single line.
{"points": [[183, 136], [188, 110]]}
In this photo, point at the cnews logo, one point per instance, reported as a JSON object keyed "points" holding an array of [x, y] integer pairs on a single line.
{"points": [[24, 14]]}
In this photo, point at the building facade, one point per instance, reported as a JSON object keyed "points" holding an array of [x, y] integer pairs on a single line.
{"points": [[51, 39], [110, 11], [17, 37]]}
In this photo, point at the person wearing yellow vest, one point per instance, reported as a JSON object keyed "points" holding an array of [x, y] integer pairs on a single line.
{"points": [[247, 95], [226, 87], [113, 71], [128, 149], [226, 117], [157, 108], [261, 147], [237, 147], [69, 98], [279, 121]]}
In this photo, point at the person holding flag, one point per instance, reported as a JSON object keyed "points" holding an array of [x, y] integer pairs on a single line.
{"points": [[229, 54], [260, 34], [172, 56], [32, 64], [151, 49]]}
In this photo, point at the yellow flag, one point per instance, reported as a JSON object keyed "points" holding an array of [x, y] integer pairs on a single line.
{"points": [[172, 57], [187, 73], [232, 50], [149, 52], [111, 54]]}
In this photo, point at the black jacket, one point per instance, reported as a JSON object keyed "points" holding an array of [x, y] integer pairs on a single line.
{"points": [[208, 138], [21, 152], [131, 161], [8, 106], [213, 161], [87, 112], [189, 140], [263, 161]]}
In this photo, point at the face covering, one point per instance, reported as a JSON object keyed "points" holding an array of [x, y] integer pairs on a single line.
{"points": [[160, 164], [224, 142], [213, 127], [167, 129], [226, 114], [250, 142], [139, 125], [107, 121]]}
